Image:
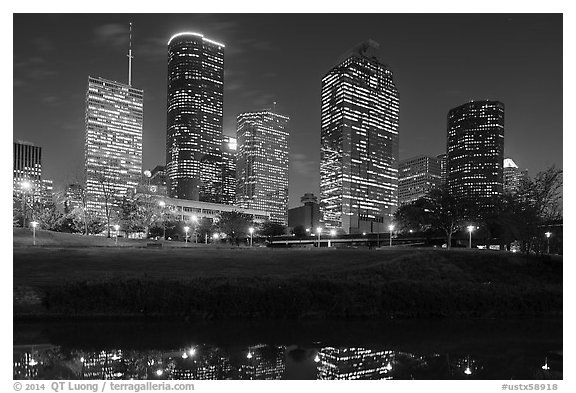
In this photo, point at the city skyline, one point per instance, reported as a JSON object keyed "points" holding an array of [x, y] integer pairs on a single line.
{"points": [[250, 83]]}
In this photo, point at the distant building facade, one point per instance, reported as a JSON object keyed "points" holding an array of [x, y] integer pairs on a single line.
{"points": [[228, 170], [359, 143], [308, 215], [27, 169], [475, 151], [262, 163], [417, 176], [158, 176], [513, 176], [194, 118], [113, 142]]}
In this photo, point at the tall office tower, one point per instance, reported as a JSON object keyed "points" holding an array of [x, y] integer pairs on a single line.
{"points": [[27, 171], [475, 148], [194, 121], [443, 166], [359, 142], [417, 176], [262, 163], [513, 176], [113, 144], [228, 150]]}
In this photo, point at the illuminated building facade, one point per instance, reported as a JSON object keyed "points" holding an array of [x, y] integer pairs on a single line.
{"points": [[359, 143], [27, 169], [228, 150], [262, 163], [513, 176], [354, 363], [475, 149], [113, 142], [443, 166], [194, 119], [417, 176], [263, 362]]}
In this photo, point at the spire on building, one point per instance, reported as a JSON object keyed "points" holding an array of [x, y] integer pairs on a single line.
{"points": [[130, 57]]}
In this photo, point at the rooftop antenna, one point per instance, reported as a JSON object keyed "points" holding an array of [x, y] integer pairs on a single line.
{"points": [[130, 57]]}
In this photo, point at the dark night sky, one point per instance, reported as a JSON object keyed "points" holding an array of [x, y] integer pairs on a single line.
{"points": [[439, 61]]}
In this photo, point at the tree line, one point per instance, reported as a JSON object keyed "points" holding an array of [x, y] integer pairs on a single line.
{"points": [[523, 215]]}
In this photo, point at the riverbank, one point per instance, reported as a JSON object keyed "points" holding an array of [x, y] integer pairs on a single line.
{"points": [[217, 284]]}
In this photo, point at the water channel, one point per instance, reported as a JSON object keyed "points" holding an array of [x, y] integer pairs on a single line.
{"points": [[413, 349]]}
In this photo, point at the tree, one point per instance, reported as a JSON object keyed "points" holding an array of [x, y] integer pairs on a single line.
{"points": [[48, 216], [270, 229], [234, 224], [438, 210]]}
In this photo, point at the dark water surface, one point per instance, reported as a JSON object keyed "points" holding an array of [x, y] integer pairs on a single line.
{"points": [[413, 349]]}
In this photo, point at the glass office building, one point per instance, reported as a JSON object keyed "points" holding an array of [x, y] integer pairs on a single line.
{"points": [[475, 151], [417, 176], [359, 143], [194, 118], [113, 142], [262, 163]]}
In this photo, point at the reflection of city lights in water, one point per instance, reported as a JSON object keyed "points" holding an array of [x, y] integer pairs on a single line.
{"points": [[317, 359]]}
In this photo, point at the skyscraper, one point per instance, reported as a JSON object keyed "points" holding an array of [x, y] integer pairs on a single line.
{"points": [[194, 120], [262, 163], [475, 151], [417, 176], [228, 170], [443, 169], [113, 143], [513, 176], [359, 142]]}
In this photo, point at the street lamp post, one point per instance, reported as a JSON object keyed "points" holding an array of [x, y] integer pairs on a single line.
{"points": [[186, 229], [163, 205], [34, 223], [116, 227], [391, 228], [215, 237], [548, 234], [251, 230], [332, 234], [470, 229], [319, 231]]}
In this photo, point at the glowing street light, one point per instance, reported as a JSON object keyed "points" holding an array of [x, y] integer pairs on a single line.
{"points": [[546, 367], [251, 230], [116, 228], [319, 231], [34, 224], [391, 228], [548, 234], [186, 229], [215, 237], [470, 229], [317, 358], [159, 372], [332, 234]]}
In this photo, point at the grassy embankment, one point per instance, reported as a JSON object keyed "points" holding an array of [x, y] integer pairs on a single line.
{"points": [[81, 279]]}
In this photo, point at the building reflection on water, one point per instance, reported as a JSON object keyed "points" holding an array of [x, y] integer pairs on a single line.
{"points": [[205, 362]]}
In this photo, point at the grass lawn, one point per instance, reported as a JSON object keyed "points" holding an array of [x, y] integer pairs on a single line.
{"points": [[216, 282]]}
